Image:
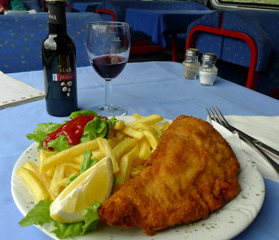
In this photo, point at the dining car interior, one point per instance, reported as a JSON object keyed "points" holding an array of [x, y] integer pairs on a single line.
{"points": [[139, 119]]}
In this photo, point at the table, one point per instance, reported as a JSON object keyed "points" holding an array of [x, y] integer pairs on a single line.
{"points": [[159, 23], [145, 88]]}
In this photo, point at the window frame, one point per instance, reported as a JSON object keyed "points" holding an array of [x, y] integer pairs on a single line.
{"points": [[219, 4]]}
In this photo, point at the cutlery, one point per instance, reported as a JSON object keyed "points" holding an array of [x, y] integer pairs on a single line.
{"points": [[217, 116]]}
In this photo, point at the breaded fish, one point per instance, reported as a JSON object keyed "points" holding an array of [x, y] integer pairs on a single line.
{"points": [[192, 173]]}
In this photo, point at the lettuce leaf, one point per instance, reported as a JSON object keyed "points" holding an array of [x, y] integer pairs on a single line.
{"points": [[93, 129], [86, 163], [40, 132], [91, 219], [40, 215], [59, 144], [83, 112], [98, 127], [65, 230]]}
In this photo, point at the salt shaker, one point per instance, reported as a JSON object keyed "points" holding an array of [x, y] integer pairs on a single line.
{"points": [[191, 64], [208, 70]]}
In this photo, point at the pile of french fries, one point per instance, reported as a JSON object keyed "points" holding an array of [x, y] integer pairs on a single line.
{"points": [[129, 147]]}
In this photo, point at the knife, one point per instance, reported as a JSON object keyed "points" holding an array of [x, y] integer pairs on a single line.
{"points": [[255, 141], [243, 136]]}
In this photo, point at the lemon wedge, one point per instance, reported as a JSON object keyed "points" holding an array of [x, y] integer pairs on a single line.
{"points": [[93, 184]]}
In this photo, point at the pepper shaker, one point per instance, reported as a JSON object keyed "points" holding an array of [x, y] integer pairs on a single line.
{"points": [[208, 70], [191, 63]]}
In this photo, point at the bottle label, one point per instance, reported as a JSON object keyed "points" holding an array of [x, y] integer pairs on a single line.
{"points": [[64, 83], [60, 80], [63, 77]]}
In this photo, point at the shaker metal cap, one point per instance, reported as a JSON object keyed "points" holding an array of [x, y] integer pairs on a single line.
{"points": [[192, 52], [209, 57]]}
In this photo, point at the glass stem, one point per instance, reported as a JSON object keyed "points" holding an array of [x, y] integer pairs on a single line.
{"points": [[108, 93]]}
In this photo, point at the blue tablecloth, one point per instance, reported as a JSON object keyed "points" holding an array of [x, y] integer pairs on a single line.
{"points": [[145, 88], [156, 23]]}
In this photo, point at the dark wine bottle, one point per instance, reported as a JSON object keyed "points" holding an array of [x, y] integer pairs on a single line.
{"points": [[59, 63]]}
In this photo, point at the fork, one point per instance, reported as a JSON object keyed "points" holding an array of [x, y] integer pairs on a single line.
{"points": [[218, 117]]}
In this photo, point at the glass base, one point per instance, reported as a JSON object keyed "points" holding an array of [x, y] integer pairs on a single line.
{"points": [[110, 111]]}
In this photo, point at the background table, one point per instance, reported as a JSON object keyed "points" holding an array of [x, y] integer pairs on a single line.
{"points": [[145, 88], [159, 23]]}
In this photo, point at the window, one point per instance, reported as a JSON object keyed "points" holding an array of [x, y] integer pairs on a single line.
{"points": [[256, 4]]}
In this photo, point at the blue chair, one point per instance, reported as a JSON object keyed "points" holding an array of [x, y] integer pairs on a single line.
{"points": [[22, 36], [242, 38], [33, 4]]}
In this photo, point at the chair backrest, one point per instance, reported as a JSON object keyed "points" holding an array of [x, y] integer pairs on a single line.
{"points": [[33, 4], [22, 36], [234, 49]]}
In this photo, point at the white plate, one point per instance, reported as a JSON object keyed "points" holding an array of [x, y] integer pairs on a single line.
{"points": [[226, 223]]}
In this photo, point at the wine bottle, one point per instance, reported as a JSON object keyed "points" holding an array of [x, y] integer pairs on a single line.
{"points": [[59, 63]]}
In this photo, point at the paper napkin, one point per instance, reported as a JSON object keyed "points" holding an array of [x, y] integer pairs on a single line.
{"points": [[261, 127], [14, 92]]}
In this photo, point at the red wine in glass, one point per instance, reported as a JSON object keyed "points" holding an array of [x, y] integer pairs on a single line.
{"points": [[109, 67], [108, 49]]}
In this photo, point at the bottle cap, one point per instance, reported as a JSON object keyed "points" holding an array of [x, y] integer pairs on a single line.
{"points": [[209, 57], [192, 52]]}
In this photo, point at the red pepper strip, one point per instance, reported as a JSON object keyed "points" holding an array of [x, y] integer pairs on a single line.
{"points": [[72, 130]]}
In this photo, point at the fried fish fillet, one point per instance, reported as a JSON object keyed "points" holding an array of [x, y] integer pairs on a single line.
{"points": [[192, 173]]}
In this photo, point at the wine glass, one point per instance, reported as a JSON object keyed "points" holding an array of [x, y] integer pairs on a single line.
{"points": [[108, 49]]}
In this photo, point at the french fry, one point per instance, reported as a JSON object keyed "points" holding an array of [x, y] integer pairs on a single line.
{"points": [[112, 142], [134, 172], [34, 183], [71, 169], [54, 188], [106, 149], [119, 125], [165, 125], [137, 116], [78, 159], [129, 146], [132, 133], [145, 150], [151, 119], [123, 147], [50, 173], [74, 166], [157, 126], [151, 138], [98, 154], [143, 126], [119, 135], [44, 154], [35, 169], [63, 182], [67, 155], [126, 165]]}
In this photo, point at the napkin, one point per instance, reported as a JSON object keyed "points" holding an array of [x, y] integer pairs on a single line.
{"points": [[14, 92], [261, 127]]}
